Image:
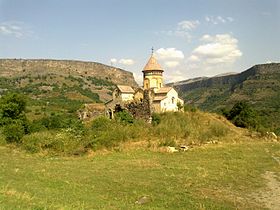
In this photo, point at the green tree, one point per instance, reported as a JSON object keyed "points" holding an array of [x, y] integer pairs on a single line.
{"points": [[12, 116], [12, 107], [243, 115]]}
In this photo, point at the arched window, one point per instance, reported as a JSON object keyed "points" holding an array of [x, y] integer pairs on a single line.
{"points": [[173, 100]]}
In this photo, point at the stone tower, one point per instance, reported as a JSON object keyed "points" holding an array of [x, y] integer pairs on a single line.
{"points": [[152, 74]]}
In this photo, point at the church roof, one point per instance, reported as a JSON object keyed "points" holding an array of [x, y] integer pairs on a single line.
{"points": [[164, 90], [159, 98], [125, 89], [152, 64]]}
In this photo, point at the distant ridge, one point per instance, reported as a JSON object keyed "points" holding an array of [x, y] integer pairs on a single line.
{"points": [[64, 83], [259, 85], [228, 79], [18, 67]]}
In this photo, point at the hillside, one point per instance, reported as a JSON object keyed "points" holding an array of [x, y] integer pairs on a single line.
{"points": [[64, 83], [258, 85]]}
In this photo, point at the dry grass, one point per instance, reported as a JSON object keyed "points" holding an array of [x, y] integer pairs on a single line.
{"points": [[222, 176]]}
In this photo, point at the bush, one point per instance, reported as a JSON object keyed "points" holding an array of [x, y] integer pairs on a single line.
{"points": [[12, 117], [215, 130], [124, 117], [64, 141], [180, 105], [277, 131], [243, 115], [110, 133], [56, 122], [173, 125], [155, 119], [14, 132], [110, 136], [12, 106], [37, 142], [190, 108], [2, 139], [101, 124]]}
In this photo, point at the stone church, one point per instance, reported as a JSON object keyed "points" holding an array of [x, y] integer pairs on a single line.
{"points": [[152, 97]]}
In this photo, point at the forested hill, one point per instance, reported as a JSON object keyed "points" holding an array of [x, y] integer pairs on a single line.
{"points": [[259, 86]]}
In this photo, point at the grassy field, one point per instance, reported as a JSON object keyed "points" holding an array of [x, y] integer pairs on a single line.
{"points": [[222, 176]]}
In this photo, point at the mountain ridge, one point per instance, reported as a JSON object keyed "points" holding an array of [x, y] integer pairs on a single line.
{"points": [[61, 85], [258, 85], [75, 67]]}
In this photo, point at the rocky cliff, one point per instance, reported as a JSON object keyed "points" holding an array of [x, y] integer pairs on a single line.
{"points": [[21, 67], [233, 79]]}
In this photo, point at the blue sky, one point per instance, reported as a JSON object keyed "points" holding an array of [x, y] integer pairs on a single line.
{"points": [[191, 38]]}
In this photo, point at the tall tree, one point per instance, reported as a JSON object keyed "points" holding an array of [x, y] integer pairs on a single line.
{"points": [[12, 116], [243, 115]]}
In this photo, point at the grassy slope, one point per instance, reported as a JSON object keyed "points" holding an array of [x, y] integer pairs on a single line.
{"points": [[58, 93], [210, 177]]}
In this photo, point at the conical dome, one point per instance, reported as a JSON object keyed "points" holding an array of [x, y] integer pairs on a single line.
{"points": [[152, 65]]}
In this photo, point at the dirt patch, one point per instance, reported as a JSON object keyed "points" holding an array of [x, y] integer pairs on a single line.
{"points": [[270, 196]]}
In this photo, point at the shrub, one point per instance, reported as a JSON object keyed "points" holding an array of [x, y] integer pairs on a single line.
{"points": [[243, 115], [172, 125], [124, 117], [12, 105], [12, 117], [110, 133], [101, 124], [180, 105], [64, 141], [190, 108], [277, 131], [37, 142], [56, 122], [155, 119], [14, 132], [215, 130], [2, 139]]}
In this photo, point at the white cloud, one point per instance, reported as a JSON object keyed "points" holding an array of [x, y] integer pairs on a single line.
{"points": [[187, 25], [216, 54], [171, 64], [169, 53], [218, 19], [127, 62], [16, 29], [221, 48], [206, 38], [175, 76], [171, 57], [193, 58], [230, 19], [113, 60], [183, 29]]}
